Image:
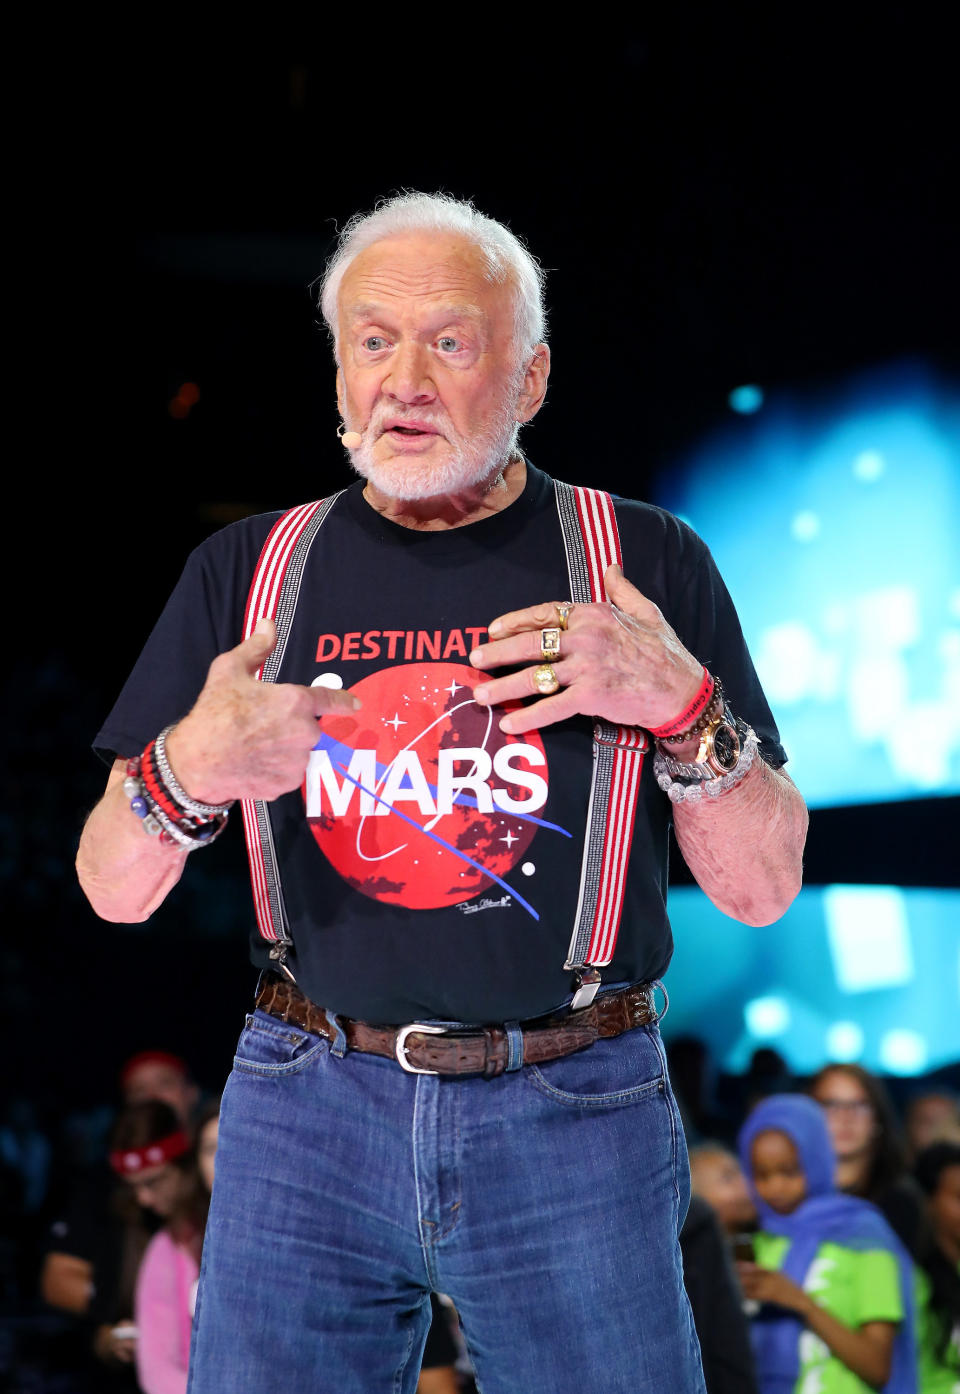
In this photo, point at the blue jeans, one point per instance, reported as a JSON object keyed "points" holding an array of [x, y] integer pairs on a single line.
{"points": [[545, 1202]]}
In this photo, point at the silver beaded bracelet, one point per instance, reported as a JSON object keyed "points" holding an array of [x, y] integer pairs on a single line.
{"points": [[199, 810], [693, 790]]}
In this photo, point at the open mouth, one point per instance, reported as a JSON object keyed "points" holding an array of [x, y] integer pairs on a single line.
{"points": [[412, 430]]}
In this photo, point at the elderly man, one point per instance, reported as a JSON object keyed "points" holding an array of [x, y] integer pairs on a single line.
{"points": [[453, 1079]]}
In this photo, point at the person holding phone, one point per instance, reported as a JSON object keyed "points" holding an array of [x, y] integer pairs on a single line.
{"points": [[834, 1283]]}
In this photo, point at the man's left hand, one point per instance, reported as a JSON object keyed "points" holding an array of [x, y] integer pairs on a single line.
{"points": [[620, 661]]}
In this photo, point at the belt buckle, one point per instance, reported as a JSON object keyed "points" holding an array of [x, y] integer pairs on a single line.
{"points": [[400, 1049]]}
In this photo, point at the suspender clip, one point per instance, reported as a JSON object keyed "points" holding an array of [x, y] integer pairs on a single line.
{"points": [[279, 955], [586, 984]]}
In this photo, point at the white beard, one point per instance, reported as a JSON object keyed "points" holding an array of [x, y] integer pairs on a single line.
{"points": [[466, 463]]}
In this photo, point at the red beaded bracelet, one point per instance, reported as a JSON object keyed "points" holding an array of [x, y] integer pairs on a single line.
{"points": [[690, 713]]}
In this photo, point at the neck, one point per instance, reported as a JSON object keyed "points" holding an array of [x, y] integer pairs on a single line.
{"points": [[949, 1246], [502, 487], [853, 1173]]}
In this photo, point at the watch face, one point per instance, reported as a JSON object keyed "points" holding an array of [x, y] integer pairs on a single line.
{"points": [[726, 747]]}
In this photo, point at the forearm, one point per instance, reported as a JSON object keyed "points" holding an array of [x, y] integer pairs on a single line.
{"points": [[67, 1282], [124, 873], [745, 848], [864, 1350]]}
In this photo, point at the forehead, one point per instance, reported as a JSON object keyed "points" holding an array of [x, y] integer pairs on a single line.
{"points": [[773, 1148], [838, 1084], [154, 1074], [149, 1175], [421, 271]]}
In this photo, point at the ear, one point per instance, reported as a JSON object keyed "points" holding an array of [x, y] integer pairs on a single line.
{"points": [[534, 383]]}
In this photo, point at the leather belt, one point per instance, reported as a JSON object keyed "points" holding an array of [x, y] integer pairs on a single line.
{"points": [[422, 1048]]}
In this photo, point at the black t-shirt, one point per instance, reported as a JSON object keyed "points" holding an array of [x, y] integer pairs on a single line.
{"points": [[430, 864]]}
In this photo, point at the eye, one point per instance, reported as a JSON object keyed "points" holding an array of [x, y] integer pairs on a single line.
{"points": [[448, 344], [374, 343]]}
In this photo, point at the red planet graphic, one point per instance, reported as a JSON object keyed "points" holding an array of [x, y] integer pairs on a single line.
{"points": [[420, 799]]}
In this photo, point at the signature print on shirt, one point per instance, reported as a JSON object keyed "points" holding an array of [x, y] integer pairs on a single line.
{"points": [[420, 799]]}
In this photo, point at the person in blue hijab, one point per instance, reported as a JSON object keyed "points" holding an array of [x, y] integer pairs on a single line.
{"points": [[834, 1283]]}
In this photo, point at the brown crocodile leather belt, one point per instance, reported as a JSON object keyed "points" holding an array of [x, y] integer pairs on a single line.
{"points": [[483, 1050]]}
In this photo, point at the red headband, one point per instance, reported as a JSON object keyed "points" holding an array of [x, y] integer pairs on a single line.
{"points": [[133, 1160]]}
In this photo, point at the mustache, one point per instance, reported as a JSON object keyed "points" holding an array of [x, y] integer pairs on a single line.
{"points": [[381, 415]]}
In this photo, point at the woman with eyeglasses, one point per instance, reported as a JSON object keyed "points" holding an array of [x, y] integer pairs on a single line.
{"points": [[869, 1146]]}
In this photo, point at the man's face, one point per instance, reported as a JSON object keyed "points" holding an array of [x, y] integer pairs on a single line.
{"points": [[428, 370]]}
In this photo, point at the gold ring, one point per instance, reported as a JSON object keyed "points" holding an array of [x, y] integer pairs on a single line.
{"points": [[546, 680], [563, 613], [549, 644]]}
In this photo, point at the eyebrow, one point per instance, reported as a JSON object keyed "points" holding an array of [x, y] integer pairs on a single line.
{"points": [[445, 314]]}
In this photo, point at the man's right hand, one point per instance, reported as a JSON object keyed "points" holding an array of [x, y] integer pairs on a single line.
{"points": [[246, 739]]}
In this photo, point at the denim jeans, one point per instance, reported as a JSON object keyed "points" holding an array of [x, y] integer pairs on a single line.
{"points": [[546, 1203]]}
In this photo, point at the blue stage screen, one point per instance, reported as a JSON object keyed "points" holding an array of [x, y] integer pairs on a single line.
{"points": [[834, 517], [865, 973]]}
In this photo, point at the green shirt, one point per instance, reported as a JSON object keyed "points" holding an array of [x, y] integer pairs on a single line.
{"points": [[853, 1286], [939, 1369]]}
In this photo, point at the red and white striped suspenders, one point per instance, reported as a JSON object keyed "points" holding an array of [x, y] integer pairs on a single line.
{"points": [[273, 595], [592, 543]]}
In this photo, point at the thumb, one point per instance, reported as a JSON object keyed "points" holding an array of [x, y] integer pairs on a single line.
{"points": [[627, 597], [261, 643]]}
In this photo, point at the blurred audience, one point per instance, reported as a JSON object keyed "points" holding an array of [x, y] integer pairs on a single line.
{"points": [[96, 1239], [871, 1158], [835, 1284], [716, 1303], [931, 1116], [156, 1074], [172, 1177], [717, 1176], [937, 1172]]}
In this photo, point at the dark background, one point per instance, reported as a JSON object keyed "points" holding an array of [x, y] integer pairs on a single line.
{"points": [[724, 204]]}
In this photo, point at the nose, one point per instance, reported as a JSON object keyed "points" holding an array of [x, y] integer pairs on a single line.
{"points": [[409, 378]]}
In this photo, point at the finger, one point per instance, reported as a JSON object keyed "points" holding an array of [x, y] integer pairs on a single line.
{"points": [[516, 687], [518, 621], [627, 597], [524, 647], [560, 707], [329, 700], [253, 652]]}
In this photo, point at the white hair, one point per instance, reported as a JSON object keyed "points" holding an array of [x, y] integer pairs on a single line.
{"points": [[503, 252]]}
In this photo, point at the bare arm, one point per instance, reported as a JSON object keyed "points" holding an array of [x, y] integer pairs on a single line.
{"points": [[745, 848], [867, 1350], [243, 739], [67, 1282]]}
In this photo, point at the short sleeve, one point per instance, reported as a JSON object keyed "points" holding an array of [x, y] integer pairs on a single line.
{"points": [[674, 567], [202, 618], [877, 1292], [711, 630]]}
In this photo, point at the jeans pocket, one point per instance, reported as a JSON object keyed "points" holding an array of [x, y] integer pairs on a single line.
{"points": [[609, 1074], [271, 1047]]}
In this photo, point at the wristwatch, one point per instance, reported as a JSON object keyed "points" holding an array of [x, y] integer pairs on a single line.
{"points": [[717, 754]]}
